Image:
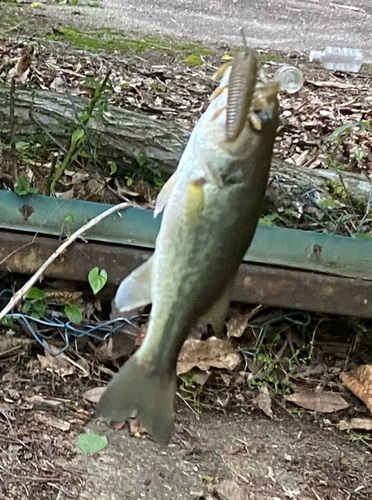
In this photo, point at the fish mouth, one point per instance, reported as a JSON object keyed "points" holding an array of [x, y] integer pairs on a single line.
{"points": [[263, 106], [246, 101]]}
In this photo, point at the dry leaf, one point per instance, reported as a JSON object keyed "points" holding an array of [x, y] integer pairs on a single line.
{"points": [[364, 424], [56, 364], [94, 395], [136, 429], [204, 354], [263, 401], [142, 334], [22, 69], [321, 401], [230, 490], [9, 344], [237, 325], [38, 402], [57, 423], [359, 382], [103, 353]]}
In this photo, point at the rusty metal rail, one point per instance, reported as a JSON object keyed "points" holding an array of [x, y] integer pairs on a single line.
{"points": [[257, 283]]}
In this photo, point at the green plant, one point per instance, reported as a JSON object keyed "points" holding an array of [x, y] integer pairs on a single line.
{"points": [[193, 60], [78, 137], [23, 187], [74, 313], [97, 279], [34, 303]]}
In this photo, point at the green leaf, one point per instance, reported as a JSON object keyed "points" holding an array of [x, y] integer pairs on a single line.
{"points": [[91, 443], [26, 307], [141, 159], [268, 220], [35, 293], [77, 136], [23, 187], [22, 146], [193, 60], [74, 313], [6, 321], [69, 219], [347, 127], [112, 166], [97, 279], [38, 309]]}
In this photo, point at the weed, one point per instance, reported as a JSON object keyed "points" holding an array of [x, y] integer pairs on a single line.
{"points": [[78, 137]]}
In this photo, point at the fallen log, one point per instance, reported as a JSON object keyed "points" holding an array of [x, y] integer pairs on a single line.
{"points": [[121, 136]]}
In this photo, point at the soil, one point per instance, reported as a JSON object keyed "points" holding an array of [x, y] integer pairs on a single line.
{"points": [[250, 456]]}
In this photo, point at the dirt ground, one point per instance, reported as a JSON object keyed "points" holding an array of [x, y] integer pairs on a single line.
{"points": [[235, 457], [233, 451], [228, 451]]}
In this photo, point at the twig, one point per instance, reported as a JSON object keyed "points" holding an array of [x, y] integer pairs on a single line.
{"points": [[17, 297], [30, 478]]}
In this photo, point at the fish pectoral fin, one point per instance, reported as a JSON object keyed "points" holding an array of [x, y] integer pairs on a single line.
{"points": [[216, 315], [194, 199], [135, 290], [164, 194]]}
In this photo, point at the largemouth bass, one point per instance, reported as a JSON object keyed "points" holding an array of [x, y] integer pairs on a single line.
{"points": [[211, 209]]}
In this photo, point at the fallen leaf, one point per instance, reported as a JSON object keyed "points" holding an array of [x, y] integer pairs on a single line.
{"points": [[136, 429], [56, 364], [237, 325], [142, 334], [38, 402], [57, 423], [103, 353], [204, 354], [9, 344], [359, 382], [230, 490], [263, 401], [364, 424], [94, 395], [91, 443], [321, 401]]}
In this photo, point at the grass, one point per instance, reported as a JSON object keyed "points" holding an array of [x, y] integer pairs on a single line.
{"points": [[111, 40]]}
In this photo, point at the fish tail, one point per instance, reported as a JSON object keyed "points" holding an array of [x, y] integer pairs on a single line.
{"points": [[137, 390]]}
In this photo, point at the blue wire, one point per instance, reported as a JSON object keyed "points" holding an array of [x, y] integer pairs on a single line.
{"points": [[66, 330]]}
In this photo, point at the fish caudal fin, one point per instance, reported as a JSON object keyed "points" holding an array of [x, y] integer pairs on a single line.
{"points": [[137, 391]]}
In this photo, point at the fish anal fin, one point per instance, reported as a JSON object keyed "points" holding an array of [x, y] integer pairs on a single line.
{"points": [[216, 315], [135, 290]]}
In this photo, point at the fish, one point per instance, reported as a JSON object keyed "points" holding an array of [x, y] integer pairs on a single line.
{"points": [[211, 208]]}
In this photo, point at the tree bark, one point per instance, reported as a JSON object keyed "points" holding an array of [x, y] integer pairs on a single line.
{"points": [[121, 136]]}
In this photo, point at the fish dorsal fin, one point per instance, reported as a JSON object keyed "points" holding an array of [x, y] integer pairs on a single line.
{"points": [[135, 290], [164, 194]]}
